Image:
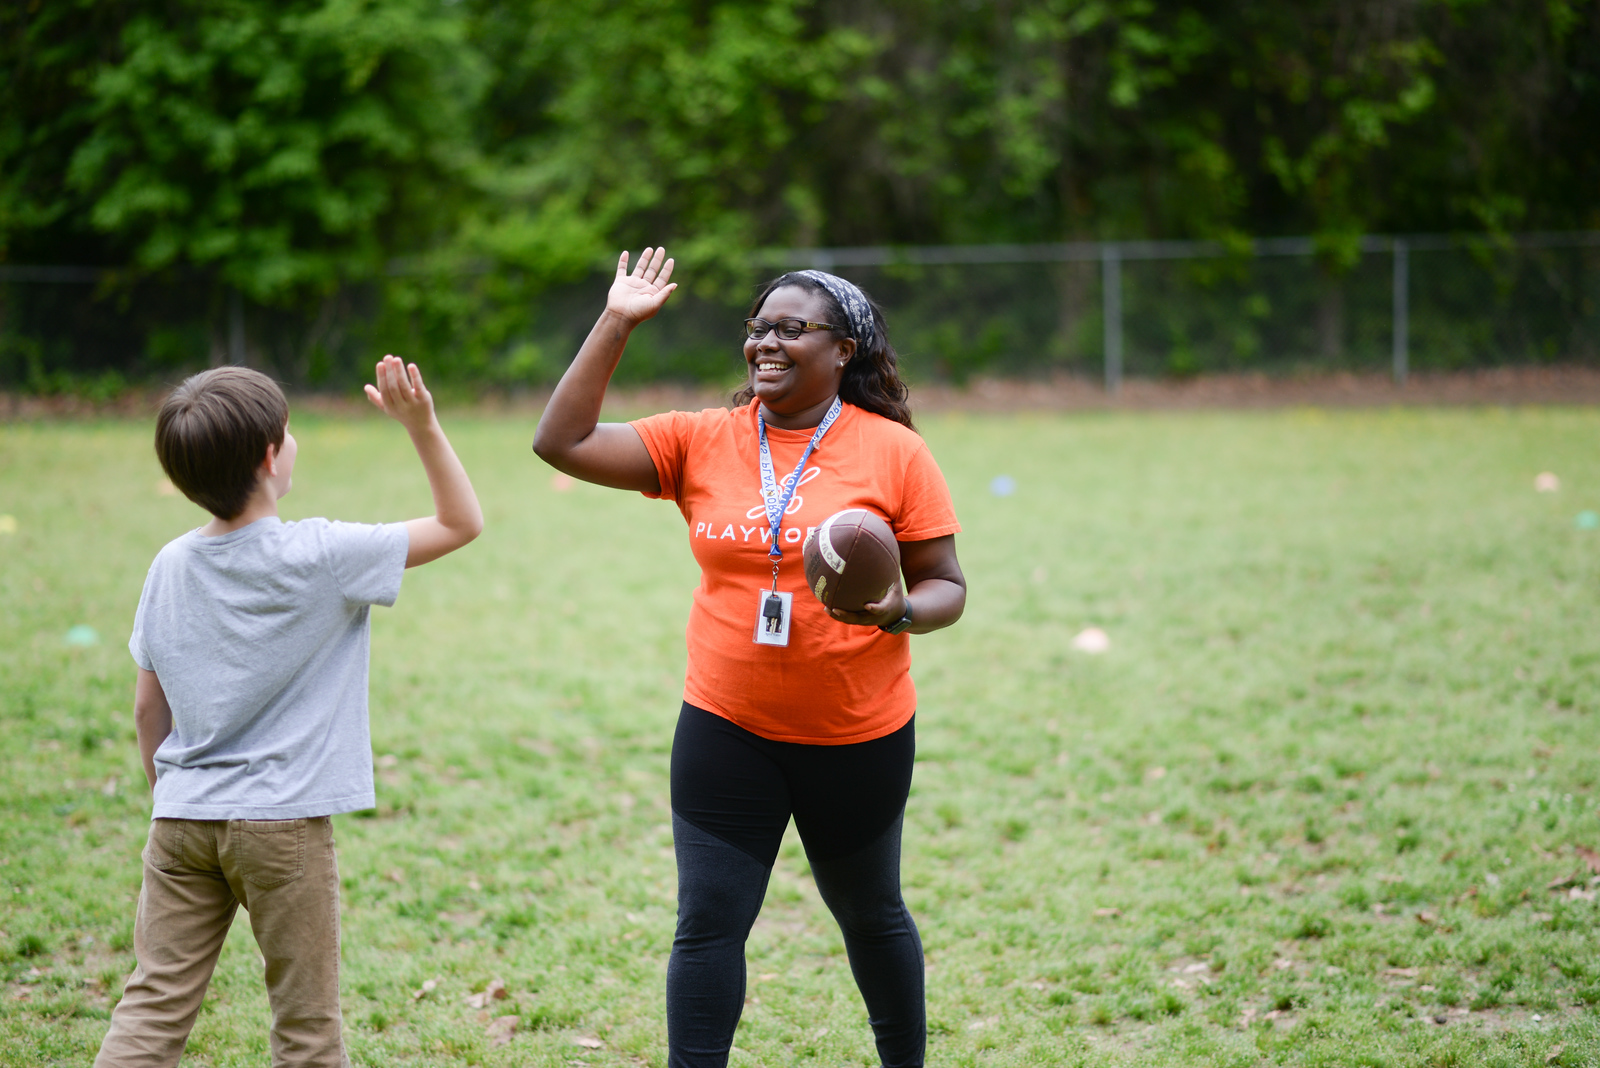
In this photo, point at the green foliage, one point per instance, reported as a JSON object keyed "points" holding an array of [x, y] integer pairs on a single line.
{"points": [[420, 170], [289, 146]]}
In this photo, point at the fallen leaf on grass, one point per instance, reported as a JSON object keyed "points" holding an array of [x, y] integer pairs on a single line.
{"points": [[1283, 964], [1427, 919], [1403, 973], [588, 1042], [427, 988], [1579, 894], [501, 1028], [1108, 913], [1091, 640], [495, 991], [1554, 1056], [1590, 857], [1561, 882]]}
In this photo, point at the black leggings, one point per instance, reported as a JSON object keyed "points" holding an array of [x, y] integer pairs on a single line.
{"points": [[732, 795]]}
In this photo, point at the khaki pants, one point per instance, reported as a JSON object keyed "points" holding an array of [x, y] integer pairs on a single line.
{"points": [[196, 875]]}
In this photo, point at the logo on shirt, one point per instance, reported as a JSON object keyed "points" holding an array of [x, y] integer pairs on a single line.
{"points": [[795, 502], [760, 533]]}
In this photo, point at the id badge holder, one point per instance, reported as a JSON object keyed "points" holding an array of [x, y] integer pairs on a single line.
{"points": [[772, 619]]}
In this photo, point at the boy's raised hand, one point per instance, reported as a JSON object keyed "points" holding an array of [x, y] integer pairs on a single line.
{"points": [[401, 394], [457, 519]]}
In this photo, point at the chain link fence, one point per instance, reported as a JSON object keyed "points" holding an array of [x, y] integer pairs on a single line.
{"points": [[1397, 304]]}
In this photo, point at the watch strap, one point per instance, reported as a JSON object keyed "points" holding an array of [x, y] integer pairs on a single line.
{"points": [[900, 625]]}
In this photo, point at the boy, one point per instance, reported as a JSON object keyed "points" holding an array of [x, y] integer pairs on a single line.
{"points": [[251, 708]]}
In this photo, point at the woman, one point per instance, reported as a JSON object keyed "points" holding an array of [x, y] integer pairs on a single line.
{"points": [[819, 725]]}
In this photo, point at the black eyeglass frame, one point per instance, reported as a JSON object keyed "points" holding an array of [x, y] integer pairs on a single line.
{"points": [[750, 328]]}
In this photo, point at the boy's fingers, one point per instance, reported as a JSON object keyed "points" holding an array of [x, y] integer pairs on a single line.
{"points": [[395, 377], [374, 396]]}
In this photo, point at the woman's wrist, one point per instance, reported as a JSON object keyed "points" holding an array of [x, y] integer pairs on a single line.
{"points": [[901, 623], [619, 322]]}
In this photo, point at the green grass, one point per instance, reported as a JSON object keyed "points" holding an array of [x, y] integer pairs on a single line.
{"points": [[1309, 801]]}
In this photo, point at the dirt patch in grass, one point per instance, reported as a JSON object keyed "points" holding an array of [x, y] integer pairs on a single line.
{"points": [[1494, 386], [1500, 385]]}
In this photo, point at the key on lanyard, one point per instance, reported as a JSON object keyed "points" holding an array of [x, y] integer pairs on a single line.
{"points": [[772, 613]]}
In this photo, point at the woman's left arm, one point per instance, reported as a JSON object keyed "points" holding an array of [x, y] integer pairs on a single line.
{"points": [[935, 587]]}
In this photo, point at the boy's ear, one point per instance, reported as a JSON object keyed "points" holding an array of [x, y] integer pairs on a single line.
{"points": [[269, 466]]}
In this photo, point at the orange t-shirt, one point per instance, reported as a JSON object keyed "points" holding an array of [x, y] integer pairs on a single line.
{"points": [[834, 683]]}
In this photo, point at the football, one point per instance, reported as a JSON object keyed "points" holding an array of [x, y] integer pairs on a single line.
{"points": [[852, 560]]}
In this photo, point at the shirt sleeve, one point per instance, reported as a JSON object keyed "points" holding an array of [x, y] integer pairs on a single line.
{"points": [[926, 510], [367, 561], [136, 646], [666, 437]]}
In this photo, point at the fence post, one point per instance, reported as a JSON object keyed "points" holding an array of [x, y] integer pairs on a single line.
{"points": [[1401, 331], [1111, 304]]}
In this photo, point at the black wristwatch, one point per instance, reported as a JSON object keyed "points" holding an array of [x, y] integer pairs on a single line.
{"points": [[900, 625]]}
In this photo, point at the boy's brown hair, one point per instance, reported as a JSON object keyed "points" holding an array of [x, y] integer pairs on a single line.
{"points": [[212, 434]]}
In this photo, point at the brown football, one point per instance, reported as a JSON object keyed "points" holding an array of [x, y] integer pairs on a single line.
{"points": [[852, 560]]}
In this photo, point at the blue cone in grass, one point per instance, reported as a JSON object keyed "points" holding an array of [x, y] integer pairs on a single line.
{"points": [[82, 635], [1587, 521], [1003, 486]]}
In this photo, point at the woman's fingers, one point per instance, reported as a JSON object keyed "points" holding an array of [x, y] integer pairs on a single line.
{"points": [[666, 273], [622, 264]]}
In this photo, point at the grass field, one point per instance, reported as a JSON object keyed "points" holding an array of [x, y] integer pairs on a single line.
{"points": [[1307, 810]]}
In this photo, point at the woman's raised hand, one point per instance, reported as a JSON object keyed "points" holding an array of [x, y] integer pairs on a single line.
{"points": [[639, 295]]}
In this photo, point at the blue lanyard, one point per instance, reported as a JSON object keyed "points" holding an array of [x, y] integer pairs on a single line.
{"points": [[776, 499]]}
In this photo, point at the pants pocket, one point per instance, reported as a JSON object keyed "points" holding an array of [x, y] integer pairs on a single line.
{"points": [[164, 850], [272, 852]]}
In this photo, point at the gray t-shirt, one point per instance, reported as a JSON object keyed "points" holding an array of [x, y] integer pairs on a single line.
{"points": [[260, 637]]}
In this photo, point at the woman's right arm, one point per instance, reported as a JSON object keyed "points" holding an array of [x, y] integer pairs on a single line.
{"points": [[570, 436]]}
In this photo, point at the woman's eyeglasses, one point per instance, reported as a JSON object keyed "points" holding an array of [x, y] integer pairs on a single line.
{"points": [[788, 329]]}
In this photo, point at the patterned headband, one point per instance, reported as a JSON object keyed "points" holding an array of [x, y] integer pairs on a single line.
{"points": [[854, 302]]}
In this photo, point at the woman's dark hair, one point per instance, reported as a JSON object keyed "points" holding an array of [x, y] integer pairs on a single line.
{"points": [[872, 377]]}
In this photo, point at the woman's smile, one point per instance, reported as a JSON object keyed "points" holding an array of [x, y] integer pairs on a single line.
{"points": [[792, 375]]}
